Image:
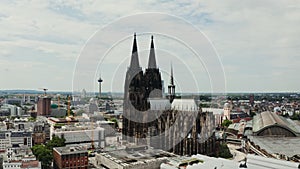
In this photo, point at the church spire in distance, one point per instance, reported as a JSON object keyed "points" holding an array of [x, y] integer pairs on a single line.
{"points": [[152, 60], [172, 78], [171, 87], [134, 63]]}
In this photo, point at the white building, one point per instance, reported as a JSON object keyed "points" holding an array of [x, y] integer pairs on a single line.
{"points": [[218, 114], [14, 110], [21, 138], [5, 140], [15, 139], [22, 164], [13, 155], [82, 134], [12, 165]]}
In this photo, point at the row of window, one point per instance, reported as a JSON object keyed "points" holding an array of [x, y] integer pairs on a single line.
{"points": [[11, 166]]}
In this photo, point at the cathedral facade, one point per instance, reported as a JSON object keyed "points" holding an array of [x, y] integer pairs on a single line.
{"points": [[175, 125]]}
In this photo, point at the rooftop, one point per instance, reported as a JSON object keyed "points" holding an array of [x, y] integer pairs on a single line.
{"points": [[267, 119], [159, 104], [30, 164], [129, 157], [76, 136], [200, 161], [70, 150], [259, 162], [214, 110], [62, 120], [289, 146], [185, 104]]}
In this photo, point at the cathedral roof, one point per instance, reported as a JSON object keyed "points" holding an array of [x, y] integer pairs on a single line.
{"points": [[159, 104], [185, 104]]}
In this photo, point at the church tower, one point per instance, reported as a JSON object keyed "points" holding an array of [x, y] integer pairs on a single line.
{"points": [[152, 76], [171, 87], [134, 83], [139, 87], [134, 98]]}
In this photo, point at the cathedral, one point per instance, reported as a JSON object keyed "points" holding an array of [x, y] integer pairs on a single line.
{"points": [[172, 124]]}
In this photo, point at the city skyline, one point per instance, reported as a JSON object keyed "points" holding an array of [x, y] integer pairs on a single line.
{"points": [[256, 42]]}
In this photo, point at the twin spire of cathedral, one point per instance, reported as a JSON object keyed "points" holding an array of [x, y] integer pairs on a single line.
{"points": [[152, 60], [134, 63], [152, 77]]}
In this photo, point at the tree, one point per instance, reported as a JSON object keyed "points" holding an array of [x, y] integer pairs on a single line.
{"points": [[31, 119], [295, 116], [56, 142], [115, 121], [224, 151], [43, 154], [25, 108], [226, 123], [252, 113]]}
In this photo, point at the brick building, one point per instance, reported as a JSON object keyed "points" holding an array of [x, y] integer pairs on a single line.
{"points": [[70, 157], [44, 106]]}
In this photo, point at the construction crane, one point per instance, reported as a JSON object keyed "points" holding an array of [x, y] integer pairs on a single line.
{"points": [[92, 134], [69, 105], [58, 104], [45, 90]]}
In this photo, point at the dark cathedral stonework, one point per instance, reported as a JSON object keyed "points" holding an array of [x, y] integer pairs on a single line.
{"points": [[153, 83], [181, 130]]}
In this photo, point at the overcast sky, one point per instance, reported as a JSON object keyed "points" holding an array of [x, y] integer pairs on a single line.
{"points": [[237, 46]]}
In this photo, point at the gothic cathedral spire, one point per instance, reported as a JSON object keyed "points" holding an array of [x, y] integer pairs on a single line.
{"points": [[134, 100], [134, 63], [152, 60], [153, 83]]}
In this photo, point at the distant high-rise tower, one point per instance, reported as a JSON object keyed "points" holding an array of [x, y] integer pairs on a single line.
{"points": [[251, 99], [83, 93], [171, 87], [100, 82], [44, 106]]}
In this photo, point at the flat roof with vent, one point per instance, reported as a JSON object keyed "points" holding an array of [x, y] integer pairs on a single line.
{"points": [[126, 156], [70, 150]]}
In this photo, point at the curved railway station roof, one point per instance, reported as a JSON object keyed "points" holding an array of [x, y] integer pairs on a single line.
{"points": [[269, 123]]}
